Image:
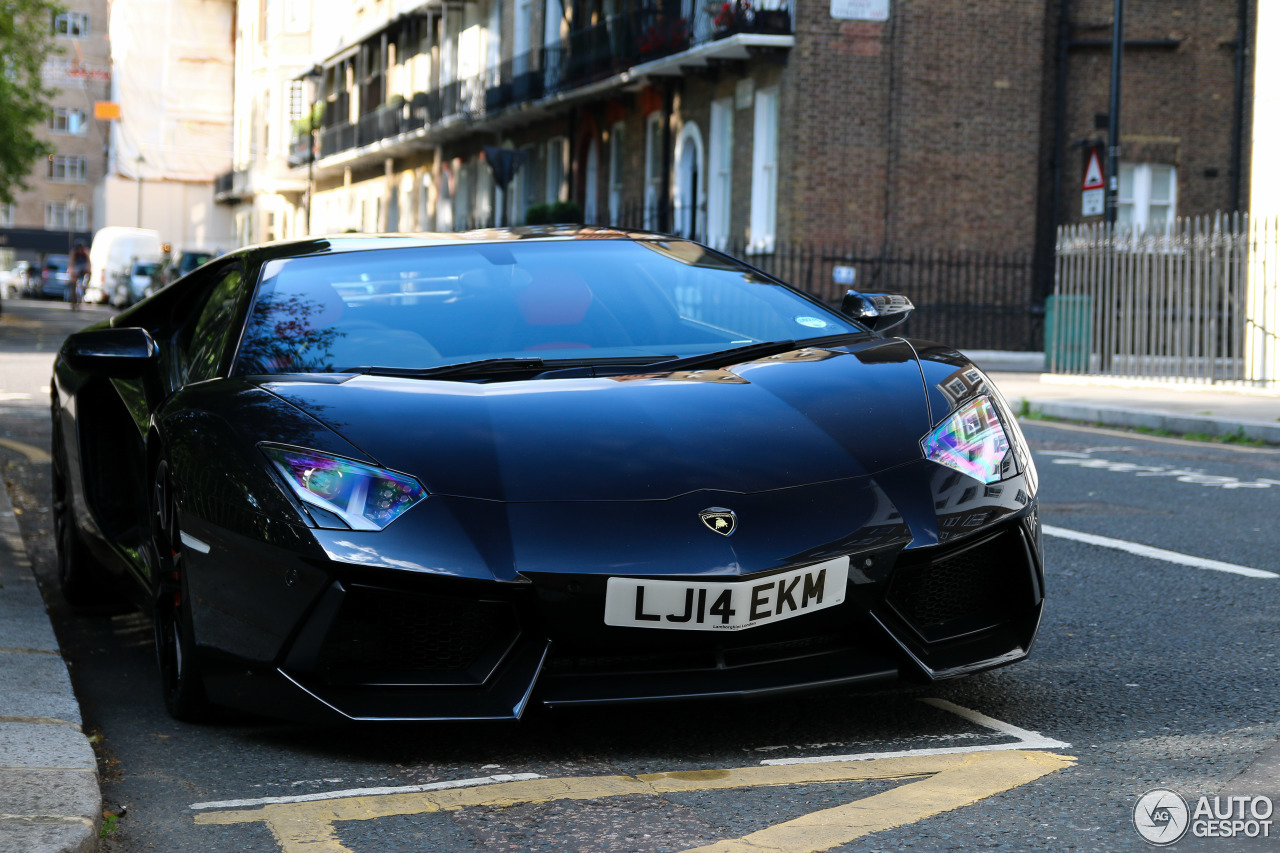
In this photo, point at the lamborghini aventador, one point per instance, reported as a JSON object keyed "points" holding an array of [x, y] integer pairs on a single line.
{"points": [[448, 476]]}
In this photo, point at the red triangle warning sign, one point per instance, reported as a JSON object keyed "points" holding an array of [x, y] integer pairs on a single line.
{"points": [[1093, 172]]}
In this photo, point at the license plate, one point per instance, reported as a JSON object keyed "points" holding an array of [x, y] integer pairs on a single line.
{"points": [[732, 606]]}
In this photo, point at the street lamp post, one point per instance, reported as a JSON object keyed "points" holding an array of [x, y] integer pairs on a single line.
{"points": [[314, 74], [140, 162]]}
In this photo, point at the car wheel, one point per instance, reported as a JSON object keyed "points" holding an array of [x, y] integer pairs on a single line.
{"points": [[78, 575], [180, 676]]}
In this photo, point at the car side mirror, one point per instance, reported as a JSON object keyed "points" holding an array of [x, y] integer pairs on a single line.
{"points": [[879, 311], [114, 353]]}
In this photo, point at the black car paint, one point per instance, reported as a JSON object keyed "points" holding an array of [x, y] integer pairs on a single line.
{"points": [[637, 457]]}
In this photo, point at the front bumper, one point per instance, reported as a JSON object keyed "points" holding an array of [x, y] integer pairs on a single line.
{"points": [[380, 644]]}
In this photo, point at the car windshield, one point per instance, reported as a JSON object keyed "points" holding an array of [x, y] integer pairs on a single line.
{"points": [[145, 269], [418, 308]]}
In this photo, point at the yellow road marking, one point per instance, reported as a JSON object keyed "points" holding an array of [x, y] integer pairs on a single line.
{"points": [[33, 453], [947, 782]]}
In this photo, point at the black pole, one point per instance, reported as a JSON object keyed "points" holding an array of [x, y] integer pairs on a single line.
{"points": [[1113, 120], [1237, 135], [664, 193]]}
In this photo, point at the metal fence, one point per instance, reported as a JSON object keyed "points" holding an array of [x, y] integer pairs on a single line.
{"points": [[1171, 305], [971, 300]]}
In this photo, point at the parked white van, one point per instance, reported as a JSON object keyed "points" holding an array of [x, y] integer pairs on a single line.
{"points": [[114, 250]]}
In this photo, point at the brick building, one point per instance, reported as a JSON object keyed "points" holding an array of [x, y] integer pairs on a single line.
{"points": [[898, 124], [56, 208]]}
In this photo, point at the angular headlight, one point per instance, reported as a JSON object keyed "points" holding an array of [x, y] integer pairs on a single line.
{"points": [[971, 441], [362, 496]]}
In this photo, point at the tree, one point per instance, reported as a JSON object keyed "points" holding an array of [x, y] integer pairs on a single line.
{"points": [[26, 39]]}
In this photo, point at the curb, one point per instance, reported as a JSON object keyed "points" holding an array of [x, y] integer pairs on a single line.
{"points": [[1118, 416], [50, 801]]}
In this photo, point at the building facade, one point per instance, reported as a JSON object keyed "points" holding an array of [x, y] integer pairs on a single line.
{"points": [[57, 207], [172, 76], [895, 124]]}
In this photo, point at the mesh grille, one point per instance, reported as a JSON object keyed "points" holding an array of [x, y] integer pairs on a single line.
{"points": [[383, 631], [966, 585]]}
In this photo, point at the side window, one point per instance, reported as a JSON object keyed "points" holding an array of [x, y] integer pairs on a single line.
{"points": [[210, 336]]}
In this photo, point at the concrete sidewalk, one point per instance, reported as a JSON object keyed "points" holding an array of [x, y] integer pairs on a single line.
{"points": [[49, 795]]}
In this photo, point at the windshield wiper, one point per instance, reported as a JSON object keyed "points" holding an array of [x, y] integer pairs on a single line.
{"points": [[763, 349], [479, 367]]}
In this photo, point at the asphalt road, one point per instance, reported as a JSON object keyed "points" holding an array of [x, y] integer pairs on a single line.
{"points": [[1149, 673]]}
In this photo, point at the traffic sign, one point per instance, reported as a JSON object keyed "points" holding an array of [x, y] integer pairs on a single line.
{"points": [[1093, 189]]}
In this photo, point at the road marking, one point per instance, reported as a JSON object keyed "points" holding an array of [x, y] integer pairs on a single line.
{"points": [[1156, 553], [33, 454], [947, 782], [1181, 475], [193, 543], [371, 792], [1137, 436], [1025, 740]]}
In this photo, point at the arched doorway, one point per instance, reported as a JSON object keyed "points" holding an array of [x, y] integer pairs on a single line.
{"points": [[690, 196]]}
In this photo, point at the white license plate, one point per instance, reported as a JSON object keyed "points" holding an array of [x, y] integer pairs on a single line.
{"points": [[732, 606]]}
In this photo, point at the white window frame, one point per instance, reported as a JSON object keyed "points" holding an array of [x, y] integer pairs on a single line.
{"points": [[617, 153], [6, 215], [68, 169], [652, 168], [69, 121], [56, 218], [71, 25], [1134, 201], [557, 188], [720, 173], [764, 172]]}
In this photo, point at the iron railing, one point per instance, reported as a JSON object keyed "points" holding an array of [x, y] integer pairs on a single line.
{"points": [[1194, 303], [586, 56]]}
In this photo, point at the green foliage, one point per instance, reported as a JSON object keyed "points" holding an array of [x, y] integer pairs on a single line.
{"points": [[26, 39], [538, 214], [561, 212], [310, 122], [566, 211]]}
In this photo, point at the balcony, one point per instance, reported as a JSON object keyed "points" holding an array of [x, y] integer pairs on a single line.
{"points": [[652, 41], [231, 187]]}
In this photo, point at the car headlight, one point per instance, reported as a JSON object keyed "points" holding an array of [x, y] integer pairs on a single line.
{"points": [[363, 496], [972, 441]]}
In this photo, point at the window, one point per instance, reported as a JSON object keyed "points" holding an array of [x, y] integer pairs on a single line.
{"points": [[55, 216], [764, 172], [617, 140], [557, 155], [208, 343], [66, 169], [1148, 196], [652, 169], [720, 170], [6, 215], [71, 24], [68, 120]]}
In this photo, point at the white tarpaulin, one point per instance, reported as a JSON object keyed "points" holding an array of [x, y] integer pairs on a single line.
{"points": [[172, 75]]}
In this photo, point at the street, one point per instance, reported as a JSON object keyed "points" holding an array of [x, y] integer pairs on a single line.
{"points": [[1149, 672]]}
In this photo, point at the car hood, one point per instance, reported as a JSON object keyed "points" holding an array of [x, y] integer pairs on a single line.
{"points": [[807, 416]]}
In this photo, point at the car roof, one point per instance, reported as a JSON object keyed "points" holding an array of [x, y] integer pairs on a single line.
{"points": [[340, 243]]}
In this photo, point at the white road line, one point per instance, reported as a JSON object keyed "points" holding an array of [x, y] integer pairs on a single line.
{"points": [[1026, 740], [193, 543], [1157, 553], [368, 792]]}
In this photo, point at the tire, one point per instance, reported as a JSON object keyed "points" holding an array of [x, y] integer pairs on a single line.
{"points": [[181, 679], [79, 576]]}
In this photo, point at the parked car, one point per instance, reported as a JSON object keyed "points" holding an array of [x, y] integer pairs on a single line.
{"points": [[445, 477], [17, 281], [54, 278], [137, 285], [186, 261]]}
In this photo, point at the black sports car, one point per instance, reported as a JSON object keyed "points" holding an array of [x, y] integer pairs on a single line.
{"points": [[440, 477]]}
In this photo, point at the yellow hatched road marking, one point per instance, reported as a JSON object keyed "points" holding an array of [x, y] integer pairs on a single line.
{"points": [[946, 782]]}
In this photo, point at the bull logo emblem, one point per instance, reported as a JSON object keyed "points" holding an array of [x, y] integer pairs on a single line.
{"points": [[719, 520]]}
